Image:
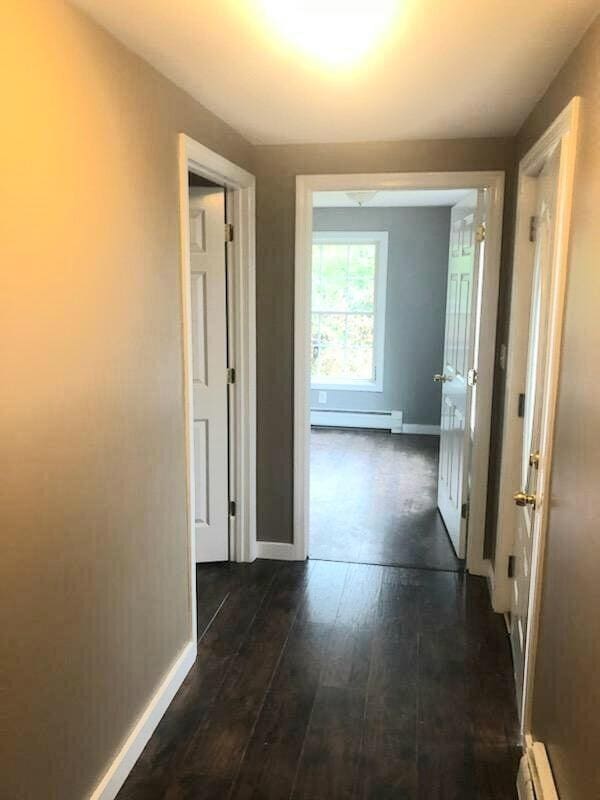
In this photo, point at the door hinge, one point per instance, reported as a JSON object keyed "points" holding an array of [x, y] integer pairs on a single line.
{"points": [[521, 406], [231, 375], [480, 232], [511, 566], [228, 232], [464, 511], [472, 377], [232, 508], [532, 229]]}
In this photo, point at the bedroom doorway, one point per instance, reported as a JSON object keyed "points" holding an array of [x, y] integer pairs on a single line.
{"points": [[397, 313]]}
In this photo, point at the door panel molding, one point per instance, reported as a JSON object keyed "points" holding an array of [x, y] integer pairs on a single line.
{"points": [[458, 355]]}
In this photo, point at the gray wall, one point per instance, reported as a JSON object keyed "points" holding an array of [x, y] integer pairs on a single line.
{"points": [[566, 703], [94, 571], [276, 167], [415, 313]]}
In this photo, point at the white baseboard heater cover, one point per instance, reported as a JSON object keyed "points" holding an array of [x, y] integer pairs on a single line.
{"points": [[535, 780], [381, 420], [525, 788]]}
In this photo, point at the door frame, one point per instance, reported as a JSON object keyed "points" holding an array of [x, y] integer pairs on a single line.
{"points": [[241, 279], [562, 133], [305, 186]]}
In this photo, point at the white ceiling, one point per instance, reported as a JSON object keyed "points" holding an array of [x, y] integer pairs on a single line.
{"points": [[409, 198], [446, 68]]}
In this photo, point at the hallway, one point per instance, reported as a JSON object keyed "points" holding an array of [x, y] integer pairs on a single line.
{"points": [[374, 499], [328, 681]]}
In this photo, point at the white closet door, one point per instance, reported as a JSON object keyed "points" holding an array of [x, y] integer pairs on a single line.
{"points": [[209, 371]]}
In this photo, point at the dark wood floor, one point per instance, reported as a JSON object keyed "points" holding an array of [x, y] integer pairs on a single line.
{"points": [[337, 681], [373, 499]]}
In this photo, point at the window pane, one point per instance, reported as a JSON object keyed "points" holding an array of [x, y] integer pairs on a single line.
{"points": [[331, 364], [360, 330], [359, 363], [329, 337], [360, 294], [334, 257], [315, 327], [334, 274], [362, 260], [333, 330]]}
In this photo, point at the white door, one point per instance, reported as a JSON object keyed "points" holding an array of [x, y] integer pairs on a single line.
{"points": [[465, 257], [527, 515], [208, 282]]}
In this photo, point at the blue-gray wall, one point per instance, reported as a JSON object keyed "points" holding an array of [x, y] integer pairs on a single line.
{"points": [[415, 308]]}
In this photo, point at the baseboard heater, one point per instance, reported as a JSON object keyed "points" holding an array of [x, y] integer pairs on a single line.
{"points": [[535, 780], [380, 420]]}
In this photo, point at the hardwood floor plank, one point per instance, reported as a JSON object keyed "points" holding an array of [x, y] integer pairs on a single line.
{"points": [[325, 586], [213, 583], [388, 762], [445, 772], [270, 762], [329, 761], [348, 657], [360, 598], [195, 787], [301, 662]]}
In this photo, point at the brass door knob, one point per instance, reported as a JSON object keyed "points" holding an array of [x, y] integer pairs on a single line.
{"points": [[440, 378], [524, 499]]}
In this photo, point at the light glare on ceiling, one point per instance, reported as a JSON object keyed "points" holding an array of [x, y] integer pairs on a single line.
{"points": [[335, 32]]}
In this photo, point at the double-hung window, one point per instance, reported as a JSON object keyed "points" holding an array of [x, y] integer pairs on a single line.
{"points": [[349, 274]]}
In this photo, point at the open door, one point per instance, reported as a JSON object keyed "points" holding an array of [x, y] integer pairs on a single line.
{"points": [[208, 282], [542, 231], [458, 377]]}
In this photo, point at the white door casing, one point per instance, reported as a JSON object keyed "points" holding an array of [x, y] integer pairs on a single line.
{"points": [[528, 515], [462, 302], [492, 184], [208, 289]]}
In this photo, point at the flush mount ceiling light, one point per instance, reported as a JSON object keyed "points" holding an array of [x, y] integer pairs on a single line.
{"points": [[360, 198], [336, 32]]}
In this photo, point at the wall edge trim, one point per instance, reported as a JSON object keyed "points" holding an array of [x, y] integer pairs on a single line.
{"points": [[278, 551]]}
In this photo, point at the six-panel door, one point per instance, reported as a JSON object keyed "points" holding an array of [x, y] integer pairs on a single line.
{"points": [[208, 285]]}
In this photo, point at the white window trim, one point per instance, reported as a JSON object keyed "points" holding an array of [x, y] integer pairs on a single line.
{"points": [[380, 238]]}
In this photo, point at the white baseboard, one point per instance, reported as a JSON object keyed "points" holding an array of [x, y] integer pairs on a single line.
{"points": [[277, 550], [535, 780], [427, 430], [119, 769], [379, 420]]}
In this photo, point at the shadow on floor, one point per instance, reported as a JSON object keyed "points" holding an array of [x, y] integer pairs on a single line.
{"points": [[373, 499]]}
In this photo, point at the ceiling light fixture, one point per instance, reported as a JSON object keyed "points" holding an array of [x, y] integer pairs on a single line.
{"points": [[335, 32], [360, 198]]}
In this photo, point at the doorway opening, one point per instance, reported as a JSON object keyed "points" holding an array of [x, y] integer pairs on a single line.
{"points": [[392, 279], [396, 294], [217, 228]]}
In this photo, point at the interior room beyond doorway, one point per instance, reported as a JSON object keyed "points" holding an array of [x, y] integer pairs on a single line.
{"points": [[392, 302]]}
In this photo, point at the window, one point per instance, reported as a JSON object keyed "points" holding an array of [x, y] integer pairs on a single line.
{"points": [[348, 309]]}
